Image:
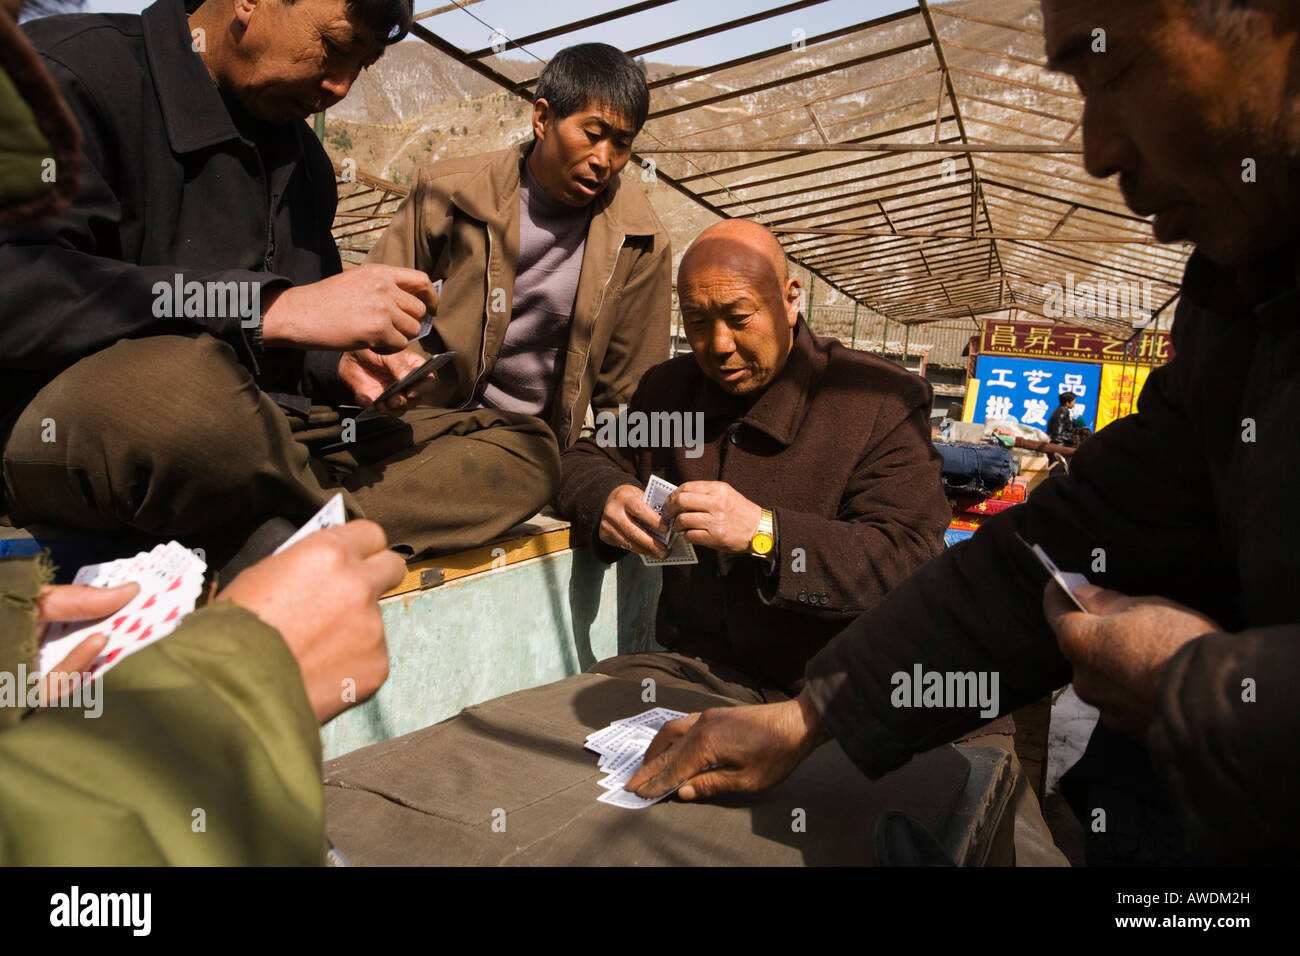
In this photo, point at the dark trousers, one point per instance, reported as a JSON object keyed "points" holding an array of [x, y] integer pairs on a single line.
{"points": [[670, 669], [170, 436]]}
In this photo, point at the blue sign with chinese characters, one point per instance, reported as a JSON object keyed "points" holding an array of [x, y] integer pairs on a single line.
{"points": [[1028, 390]]}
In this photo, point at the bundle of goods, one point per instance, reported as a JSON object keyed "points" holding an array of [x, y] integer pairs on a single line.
{"points": [[977, 478], [971, 468]]}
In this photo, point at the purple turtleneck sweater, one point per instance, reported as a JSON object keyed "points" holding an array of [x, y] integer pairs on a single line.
{"points": [[552, 238]]}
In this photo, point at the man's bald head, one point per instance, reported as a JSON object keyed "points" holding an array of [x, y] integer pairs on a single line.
{"points": [[739, 305], [740, 243]]}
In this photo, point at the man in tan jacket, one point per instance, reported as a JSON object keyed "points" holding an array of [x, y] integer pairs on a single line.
{"points": [[556, 274]]}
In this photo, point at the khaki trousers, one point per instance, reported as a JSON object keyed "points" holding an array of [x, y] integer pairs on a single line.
{"points": [[170, 436]]}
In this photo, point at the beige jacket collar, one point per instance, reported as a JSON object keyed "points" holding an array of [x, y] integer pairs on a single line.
{"points": [[492, 195]]}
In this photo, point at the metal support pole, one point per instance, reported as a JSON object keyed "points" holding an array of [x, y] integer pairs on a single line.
{"points": [[812, 291], [855, 326]]}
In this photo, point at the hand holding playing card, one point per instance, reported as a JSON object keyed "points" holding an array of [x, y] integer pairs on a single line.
{"points": [[368, 373], [745, 748], [625, 519], [713, 514], [1119, 647], [75, 602], [322, 595]]}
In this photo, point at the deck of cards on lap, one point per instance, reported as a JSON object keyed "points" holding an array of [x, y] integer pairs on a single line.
{"points": [[622, 746], [680, 551]]}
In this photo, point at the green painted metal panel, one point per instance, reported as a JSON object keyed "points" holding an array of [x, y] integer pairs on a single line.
{"points": [[490, 634]]}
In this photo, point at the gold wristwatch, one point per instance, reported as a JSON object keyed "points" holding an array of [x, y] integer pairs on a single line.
{"points": [[764, 539]]}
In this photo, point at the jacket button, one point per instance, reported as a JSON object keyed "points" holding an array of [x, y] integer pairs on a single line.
{"points": [[735, 437]]}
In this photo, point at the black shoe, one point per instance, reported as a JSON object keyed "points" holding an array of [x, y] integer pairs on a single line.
{"points": [[901, 841]]}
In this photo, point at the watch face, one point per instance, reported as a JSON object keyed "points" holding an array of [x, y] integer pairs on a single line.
{"points": [[761, 542]]}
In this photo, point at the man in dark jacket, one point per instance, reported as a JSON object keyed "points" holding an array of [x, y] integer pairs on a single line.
{"points": [[221, 715], [1183, 505], [1060, 426], [172, 343], [809, 486]]}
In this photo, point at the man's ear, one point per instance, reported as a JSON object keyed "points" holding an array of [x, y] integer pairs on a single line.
{"points": [[244, 11], [793, 300], [541, 118]]}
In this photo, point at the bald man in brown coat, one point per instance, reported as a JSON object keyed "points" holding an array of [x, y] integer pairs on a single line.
{"points": [[808, 486]]}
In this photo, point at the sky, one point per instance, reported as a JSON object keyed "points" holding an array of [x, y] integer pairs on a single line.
{"points": [[517, 18]]}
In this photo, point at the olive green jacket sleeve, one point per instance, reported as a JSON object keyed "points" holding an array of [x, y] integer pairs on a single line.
{"points": [[205, 751]]}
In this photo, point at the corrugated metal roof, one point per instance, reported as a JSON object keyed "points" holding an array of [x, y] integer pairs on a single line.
{"points": [[925, 164]]}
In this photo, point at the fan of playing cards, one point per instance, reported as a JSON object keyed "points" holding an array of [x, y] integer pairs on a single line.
{"points": [[171, 580], [622, 746]]}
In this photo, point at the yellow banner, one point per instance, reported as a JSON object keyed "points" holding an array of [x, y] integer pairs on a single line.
{"points": [[1120, 387], [972, 397]]}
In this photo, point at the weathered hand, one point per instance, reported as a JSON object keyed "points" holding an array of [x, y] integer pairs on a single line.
{"points": [[625, 519], [370, 307], [335, 632], [714, 515], [1119, 649], [729, 749], [368, 373]]}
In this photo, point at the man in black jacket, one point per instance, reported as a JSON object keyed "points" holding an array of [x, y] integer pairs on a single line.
{"points": [[1061, 426], [172, 344], [1191, 640]]}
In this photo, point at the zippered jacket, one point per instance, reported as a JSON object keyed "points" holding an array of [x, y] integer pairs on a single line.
{"points": [[460, 224]]}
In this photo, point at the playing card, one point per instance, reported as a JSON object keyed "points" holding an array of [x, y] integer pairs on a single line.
{"points": [[622, 746], [680, 551], [332, 514], [627, 799], [171, 580], [651, 719], [612, 738], [1068, 580], [621, 766], [656, 496], [104, 575], [426, 323]]}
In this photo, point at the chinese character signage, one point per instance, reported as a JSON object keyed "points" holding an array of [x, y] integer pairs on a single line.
{"points": [[1071, 344], [1028, 390], [1120, 387]]}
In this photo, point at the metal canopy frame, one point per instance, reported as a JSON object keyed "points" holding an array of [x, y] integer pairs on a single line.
{"points": [[924, 163]]}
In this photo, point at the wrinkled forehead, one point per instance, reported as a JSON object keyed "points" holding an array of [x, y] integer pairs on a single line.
{"points": [[338, 23], [717, 267]]}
